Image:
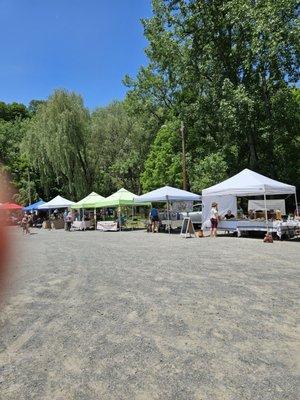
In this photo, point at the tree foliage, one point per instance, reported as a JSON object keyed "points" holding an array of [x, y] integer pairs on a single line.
{"points": [[119, 146], [56, 144], [224, 68], [163, 165], [210, 170], [75, 151]]}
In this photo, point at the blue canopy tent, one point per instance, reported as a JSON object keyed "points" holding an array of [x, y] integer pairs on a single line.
{"points": [[34, 206]]}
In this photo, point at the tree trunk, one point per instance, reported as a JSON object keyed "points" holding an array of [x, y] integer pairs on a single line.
{"points": [[253, 158]]}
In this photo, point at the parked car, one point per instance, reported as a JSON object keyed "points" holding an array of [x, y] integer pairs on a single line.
{"points": [[195, 215]]}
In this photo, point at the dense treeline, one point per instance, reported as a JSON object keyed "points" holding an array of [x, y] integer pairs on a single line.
{"points": [[62, 148], [227, 69]]}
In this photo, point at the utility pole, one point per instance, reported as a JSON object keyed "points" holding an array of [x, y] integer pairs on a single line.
{"points": [[184, 176], [29, 189]]}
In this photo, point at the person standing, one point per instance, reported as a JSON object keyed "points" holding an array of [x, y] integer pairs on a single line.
{"points": [[25, 224], [65, 215], [154, 218], [69, 220], [214, 219]]}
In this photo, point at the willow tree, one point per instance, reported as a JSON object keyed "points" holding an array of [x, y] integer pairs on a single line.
{"points": [[56, 145]]}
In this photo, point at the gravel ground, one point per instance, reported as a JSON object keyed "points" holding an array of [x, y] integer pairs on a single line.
{"points": [[139, 316]]}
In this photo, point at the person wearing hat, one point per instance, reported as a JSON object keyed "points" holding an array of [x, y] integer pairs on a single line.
{"points": [[214, 219]]}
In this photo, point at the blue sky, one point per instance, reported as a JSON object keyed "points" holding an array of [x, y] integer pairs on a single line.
{"points": [[86, 46]]}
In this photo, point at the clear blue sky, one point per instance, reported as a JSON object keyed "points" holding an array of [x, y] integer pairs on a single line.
{"points": [[82, 45]]}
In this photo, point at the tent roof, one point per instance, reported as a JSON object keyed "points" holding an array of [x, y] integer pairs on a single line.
{"points": [[57, 202], [249, 183], [88, 201], [34, 206], [168, 193], [121, 198]]}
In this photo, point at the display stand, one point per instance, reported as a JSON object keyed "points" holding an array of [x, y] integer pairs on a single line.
{"points": [[187, 228]]}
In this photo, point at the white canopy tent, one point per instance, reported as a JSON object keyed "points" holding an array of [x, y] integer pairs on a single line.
{"points": [[167, 194], [57, 202], [245, 183], [249, 183]]}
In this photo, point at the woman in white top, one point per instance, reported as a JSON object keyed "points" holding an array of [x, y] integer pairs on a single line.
{"points": [[214, 219]]}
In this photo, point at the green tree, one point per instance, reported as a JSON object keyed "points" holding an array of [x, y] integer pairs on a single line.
{"points": [[163, 165], [56, 145], [211, 170], [34, 105], [223, 67], [10, 112], [118, 147]]}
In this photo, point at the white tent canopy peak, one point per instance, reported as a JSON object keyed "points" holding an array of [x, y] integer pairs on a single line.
{"points": [[249, 183], [168, 193], [57, 202]]}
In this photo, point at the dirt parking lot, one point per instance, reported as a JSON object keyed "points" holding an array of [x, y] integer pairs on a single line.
{"points": [[137, 316]]}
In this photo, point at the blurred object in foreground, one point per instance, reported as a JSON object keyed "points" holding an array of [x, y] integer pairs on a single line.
{"points": [[4, 198]]}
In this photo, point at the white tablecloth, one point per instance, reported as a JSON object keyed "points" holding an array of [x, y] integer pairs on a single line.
{"points": [[81, 225], [279, 227], [107, 226], [174, 224], [228, 225]]}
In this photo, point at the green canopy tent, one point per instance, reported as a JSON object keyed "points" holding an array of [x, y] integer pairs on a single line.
{"points": [[88, 202], [119, 199]]}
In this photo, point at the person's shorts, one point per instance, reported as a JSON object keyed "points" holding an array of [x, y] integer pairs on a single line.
{"points": [[214, 223], [154, 219]]}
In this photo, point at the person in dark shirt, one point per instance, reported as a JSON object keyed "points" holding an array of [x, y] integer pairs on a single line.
{"points": [[229, 215], [154, 218]]}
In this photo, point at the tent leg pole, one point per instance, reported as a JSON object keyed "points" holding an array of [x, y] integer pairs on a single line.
{"points": [[266, 212], [296, 201], [95, 218], [168, 216], [132, 219]]}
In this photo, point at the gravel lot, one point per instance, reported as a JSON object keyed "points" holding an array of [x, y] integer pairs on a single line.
{"points": [[140, 316]]}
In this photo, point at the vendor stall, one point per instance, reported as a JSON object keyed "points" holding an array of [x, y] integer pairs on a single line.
{"points": [[248, 183], [85, 204], [55, 204], [168, 195], [122, 198], [11, 213]]}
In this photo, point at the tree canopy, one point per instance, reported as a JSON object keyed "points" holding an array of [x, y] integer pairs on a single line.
{"points": [[226, 68]]}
